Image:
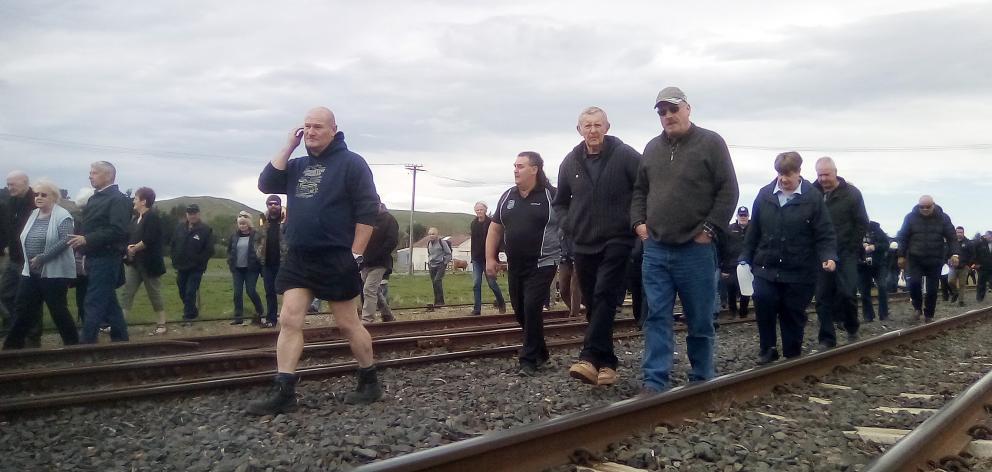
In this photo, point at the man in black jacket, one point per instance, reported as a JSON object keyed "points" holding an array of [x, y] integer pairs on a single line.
{"points": [[595, 182], [734, 245], [925, 239], [836, 292], [960, 272], [16, 205], [873, 267], [983, 264], [378, 258], [192, 247], [106, 219], [685, 194]]}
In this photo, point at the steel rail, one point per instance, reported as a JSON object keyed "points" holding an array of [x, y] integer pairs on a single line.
{"points": [[552, 443], [132, 392], [943, 436]]}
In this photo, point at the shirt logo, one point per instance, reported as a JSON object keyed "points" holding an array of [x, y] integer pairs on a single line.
{"points": [[310, 181], [196, 237], [510, 204]]}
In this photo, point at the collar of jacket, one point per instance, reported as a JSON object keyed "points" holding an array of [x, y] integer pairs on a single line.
{"points": [[610, 143], [337, 144], [769, 192], [841, 184], [685, 137]]}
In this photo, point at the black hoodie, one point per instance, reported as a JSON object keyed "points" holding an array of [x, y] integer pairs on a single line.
{"points": [[595, 212]]}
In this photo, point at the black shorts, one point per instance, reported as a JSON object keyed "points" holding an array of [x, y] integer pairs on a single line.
{"points": [[331, 274]]}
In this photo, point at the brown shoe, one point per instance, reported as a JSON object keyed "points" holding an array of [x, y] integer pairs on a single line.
{"points": [[585, 372], [607, 376]]}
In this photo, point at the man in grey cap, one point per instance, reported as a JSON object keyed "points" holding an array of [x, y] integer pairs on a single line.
{"points": [[192, 247], [686, 191]]}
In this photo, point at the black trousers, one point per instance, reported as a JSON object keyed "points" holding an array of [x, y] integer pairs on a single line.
{"points": [[734, 295], [31, 293], [601, 277], [836, 298], [437, 281], [982, 283], [786, 303], [528, 286], [915, 276]]}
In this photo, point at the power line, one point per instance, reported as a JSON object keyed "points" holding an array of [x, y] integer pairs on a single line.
{"points": [[950, 147]]}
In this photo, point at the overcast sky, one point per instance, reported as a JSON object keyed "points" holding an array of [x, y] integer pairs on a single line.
{"points": [[193, 98]]}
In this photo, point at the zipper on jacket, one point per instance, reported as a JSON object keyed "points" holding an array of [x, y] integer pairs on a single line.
{"points": [[675, 147]]}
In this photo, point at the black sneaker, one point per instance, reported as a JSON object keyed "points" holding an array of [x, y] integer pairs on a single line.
{"points": [[823, 347], [767, 357], [368, 389], [527, 370], [853, 337], [282, 399]]}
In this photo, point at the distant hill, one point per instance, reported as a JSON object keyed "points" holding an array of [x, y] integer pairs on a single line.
{"points": [[210, 207], [446, 223]]}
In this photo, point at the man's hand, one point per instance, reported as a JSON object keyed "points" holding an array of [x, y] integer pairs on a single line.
{"points": [[36, 262], [829, 265], [955, 260], [703, 238], [642, 231], [77, 241], [869, 248], [131, 251], [724, 275], [491, 267], [295, 136], [901, 262]]}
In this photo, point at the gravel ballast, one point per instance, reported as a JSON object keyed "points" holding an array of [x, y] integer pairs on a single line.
{"points": [[424, 407]]}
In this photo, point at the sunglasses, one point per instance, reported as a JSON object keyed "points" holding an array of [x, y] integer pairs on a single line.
{"points": [[667, 108]]}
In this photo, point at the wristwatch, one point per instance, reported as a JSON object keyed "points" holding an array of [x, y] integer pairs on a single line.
{"points": [[359, 259]]}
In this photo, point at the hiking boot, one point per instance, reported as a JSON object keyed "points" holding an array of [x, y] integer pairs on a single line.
{"points": [[606, 376], [585, 372], [368, 389], [527, 369], [281, 400], [824, 346], [388, 318], [853, 337]]}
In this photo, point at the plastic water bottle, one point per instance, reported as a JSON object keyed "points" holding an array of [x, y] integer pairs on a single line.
{"points": [[745, 279]]}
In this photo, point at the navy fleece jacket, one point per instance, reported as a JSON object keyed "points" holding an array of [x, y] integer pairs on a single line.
{"points": [[326, 196]]}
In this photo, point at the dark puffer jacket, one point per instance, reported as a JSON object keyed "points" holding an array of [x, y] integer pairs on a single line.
{"points": [[733, 247], [789, 243], [847, 213], [928, 240]]}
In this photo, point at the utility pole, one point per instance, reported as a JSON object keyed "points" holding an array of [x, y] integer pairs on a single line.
{"points": [[413, 204]]}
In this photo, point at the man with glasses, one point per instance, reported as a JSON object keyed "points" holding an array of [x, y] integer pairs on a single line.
{"points": [[686, 191], [273, 248], [595, 181], [924, 240]]}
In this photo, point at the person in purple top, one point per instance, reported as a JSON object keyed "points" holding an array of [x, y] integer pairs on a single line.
{"points": [[333, 202]]}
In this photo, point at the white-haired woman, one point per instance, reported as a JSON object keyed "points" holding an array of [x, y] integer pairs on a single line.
{"points": [[49, 266], [243, 248]]}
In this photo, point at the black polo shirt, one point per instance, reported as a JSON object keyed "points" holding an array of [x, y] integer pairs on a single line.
{"points": [[530, 228]]}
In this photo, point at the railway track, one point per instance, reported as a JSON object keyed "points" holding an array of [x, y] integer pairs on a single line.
{"points": [[564, 439], [232, 363]]}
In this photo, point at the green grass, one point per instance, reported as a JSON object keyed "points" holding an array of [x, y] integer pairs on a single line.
{"points": [[216, 294]]}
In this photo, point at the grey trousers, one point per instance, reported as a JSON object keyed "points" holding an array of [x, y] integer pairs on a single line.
{"points": [[372, 278], [133, 278]]}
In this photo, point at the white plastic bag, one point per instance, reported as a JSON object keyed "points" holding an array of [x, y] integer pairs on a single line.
{"points": [[901, 283], [745, 279]]}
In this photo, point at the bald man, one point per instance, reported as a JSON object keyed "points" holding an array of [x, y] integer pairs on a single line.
{"points": [[926, 240], [333, 202], [16, 205], [836, 292]]}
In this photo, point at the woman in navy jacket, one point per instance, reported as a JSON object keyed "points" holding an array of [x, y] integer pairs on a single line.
{"points": [[790, 239]]}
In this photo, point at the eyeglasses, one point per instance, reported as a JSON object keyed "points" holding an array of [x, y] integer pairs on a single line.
{"points": [[666, 109], [42, 194]]}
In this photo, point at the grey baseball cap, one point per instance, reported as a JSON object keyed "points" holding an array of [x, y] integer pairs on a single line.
{"points": [[673, 95]]}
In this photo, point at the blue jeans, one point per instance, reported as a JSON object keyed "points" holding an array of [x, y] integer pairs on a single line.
{"points": [[478, 271], [245, 281], [105, 274], [686, 269], [189, 286]]}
